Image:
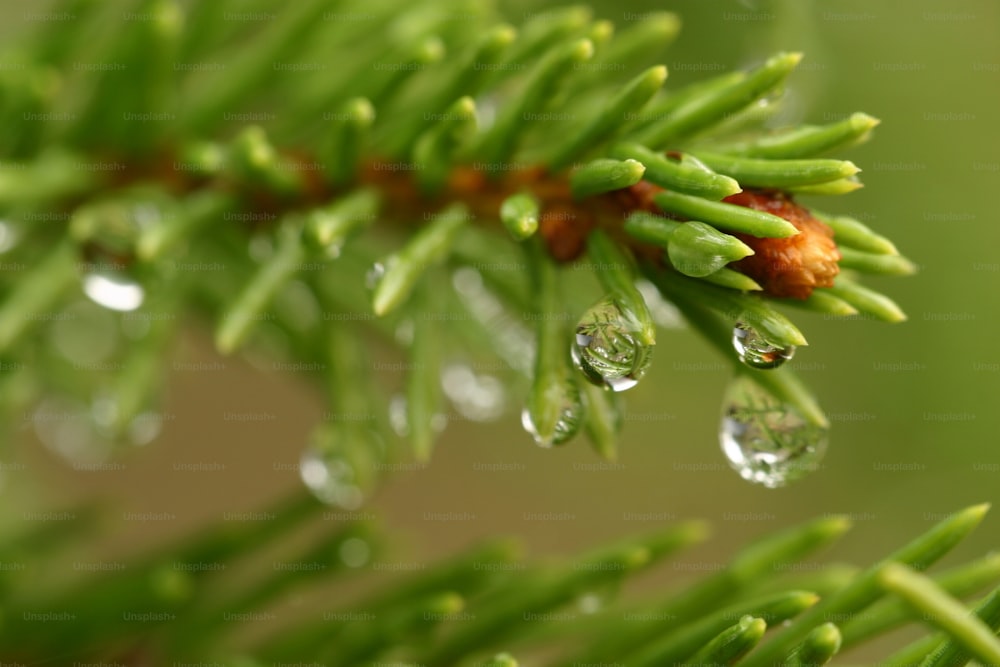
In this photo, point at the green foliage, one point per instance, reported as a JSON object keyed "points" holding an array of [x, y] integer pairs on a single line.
{"points": [[285, 156], [391, 155], [195, 599]]}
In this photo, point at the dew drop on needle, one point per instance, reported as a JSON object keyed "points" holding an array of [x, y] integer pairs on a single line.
{"points": [[766, 441], [607, 348], [756, 351]]}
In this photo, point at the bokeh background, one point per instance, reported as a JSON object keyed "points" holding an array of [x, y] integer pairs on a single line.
{"points": [[915, 406]]}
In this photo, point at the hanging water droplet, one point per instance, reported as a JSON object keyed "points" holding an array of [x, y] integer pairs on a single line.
{"points": [[467, 281], [397, 415], [590, 603], [107, 232], [331, 479], [355, 552], [607, 349], [404, 332], [766, 441], [145, 428], [476, 397], [113, 289], [69, 428], [261, 247], [399, 419], [375, 273], [756, 351], [338, 465], [9, 235], [86, 335], [566, 424]]}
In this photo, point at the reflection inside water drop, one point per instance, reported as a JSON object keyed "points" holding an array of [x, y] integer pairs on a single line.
{"points": [[607, 348], [756, 351], [113, 290], [562, 423], [766, 441]]}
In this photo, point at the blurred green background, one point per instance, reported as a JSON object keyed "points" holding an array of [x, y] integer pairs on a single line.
{"points": [[915, 407]]}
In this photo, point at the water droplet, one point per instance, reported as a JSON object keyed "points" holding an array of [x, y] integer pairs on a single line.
{"points": [[567, 422], [331, 479], [756, 351], [9, 235], [404, 332], [607, 349], [114, 290], [590, 603], [338, 465], [467, 281], [145, 428], [487, 107], [261, 247], [766, 441], [67, 426], [375, 274], [476, 397], [86, 335], [104, 409], [140, 429], [355, 552], [400, 422], [397, 416]]}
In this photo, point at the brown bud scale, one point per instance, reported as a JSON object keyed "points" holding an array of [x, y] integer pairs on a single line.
{"points": [[795, 265]]}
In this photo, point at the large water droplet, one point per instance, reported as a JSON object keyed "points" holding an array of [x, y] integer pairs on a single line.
{"points": [[114, 290], [567, 422], [338, 465], [607, 349], [756, 351], [766, 441]]}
